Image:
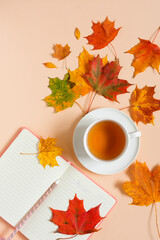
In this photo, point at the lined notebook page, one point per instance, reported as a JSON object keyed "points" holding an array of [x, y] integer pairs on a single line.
{"points": [[39, 226], [22, 179]]}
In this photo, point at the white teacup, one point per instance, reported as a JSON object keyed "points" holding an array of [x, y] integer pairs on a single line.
{"points": [[128, 136], [101, 165]]}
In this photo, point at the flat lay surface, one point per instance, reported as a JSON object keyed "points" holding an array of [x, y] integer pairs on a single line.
{"points": [[28, 30]]}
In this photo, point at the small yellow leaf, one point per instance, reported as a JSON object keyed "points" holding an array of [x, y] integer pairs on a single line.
{"points": [[77, 33], [49, 65], [48, 152]]}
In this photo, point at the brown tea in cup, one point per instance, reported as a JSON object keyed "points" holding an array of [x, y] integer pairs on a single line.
{"points": [[106, 140]]}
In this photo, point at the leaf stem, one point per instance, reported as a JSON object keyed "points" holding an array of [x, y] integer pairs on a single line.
{"points": [[67, 238], [29, 153], [65, 61], [127, 107], [90, 103], [64, 65], [156, 33], [156, 219], [114, 50], [79, 106], [90, 100]]}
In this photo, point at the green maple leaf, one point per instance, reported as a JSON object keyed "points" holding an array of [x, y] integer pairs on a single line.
{"points": [[62, 95]]}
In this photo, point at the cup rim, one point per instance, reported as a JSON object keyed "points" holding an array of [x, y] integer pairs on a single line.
{"points": [[86, 145]]}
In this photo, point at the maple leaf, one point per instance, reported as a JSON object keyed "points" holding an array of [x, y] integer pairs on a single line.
{"points": [[83, 61], [81, 87], [76, 220], [76, 76], [145, 54], [77, 33], [103, 34], [143, 105], [48, 152], [145, 186], [49, 65], [61, 52], [62, 95], [104, 79]]}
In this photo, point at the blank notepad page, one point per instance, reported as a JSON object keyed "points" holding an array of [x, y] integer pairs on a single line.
{"points": [[72, 182]]}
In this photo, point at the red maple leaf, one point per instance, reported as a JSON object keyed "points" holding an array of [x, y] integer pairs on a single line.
{"points": [[104, 79], [103, 34], [76, 220]]}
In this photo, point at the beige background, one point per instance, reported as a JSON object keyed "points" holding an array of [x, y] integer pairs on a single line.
{"points": [[28, 30]]}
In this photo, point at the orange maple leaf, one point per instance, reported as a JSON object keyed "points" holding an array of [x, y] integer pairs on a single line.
{"points": [[61, 52], [103, 34], [143, 105], [145, 54], [145, 186]]}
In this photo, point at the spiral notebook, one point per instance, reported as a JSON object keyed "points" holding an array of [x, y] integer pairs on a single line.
{"points": [[23, 181]]}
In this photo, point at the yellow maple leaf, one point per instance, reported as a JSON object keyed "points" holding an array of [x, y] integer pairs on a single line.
{"points": [[81, 87], [61, 52], [143, 105], [145, 186], [77, 33], [83, 60], [48, 152]]}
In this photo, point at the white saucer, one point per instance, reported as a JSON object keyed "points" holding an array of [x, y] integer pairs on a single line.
{"points": [[108, 167]]}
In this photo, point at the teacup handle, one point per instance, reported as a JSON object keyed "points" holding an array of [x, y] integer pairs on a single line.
{"points": [[134, 134]]}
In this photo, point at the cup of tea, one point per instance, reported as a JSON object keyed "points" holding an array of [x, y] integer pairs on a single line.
{"points": [[107, 140]]}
